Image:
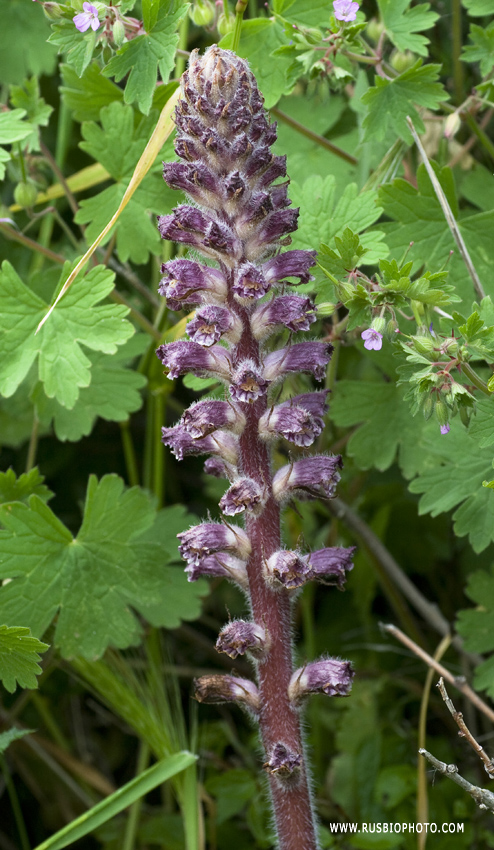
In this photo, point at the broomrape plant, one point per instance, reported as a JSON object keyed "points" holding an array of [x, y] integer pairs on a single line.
{"points": [[239, 220]]}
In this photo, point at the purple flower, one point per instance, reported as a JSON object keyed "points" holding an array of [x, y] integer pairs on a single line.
{"points": [[293, 421], [87, 18], [445, 429], [330, 565], [286, 569], [219, 565], [283, 762], [290, 264], [300, 419], [243, 495], [249, 283], [345, 10], [372, 339], [218, 469], [301, 357], [211, 323], [184, 282], [181, 357], [295, 312], [217, 688], [209, 537], [207, 416], [192, 227], [182, 443], [311, 477], [240, 637], [247, 383], [328, 676]]}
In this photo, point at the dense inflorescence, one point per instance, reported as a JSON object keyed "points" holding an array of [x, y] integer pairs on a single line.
{"points": [[239, 219]]}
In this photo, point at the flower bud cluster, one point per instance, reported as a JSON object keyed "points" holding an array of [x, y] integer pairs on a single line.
{"points": [[238, 218]]}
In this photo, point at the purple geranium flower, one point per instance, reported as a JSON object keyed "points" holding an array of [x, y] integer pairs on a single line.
{"points": [[445, 429], [345, 10], [372, 339], [87, 18]]}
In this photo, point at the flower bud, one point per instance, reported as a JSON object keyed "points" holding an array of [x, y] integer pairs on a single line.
{"points": [[442, 412], [451, 125], [52, 11], [311, 477], [374, 29], [226, 23], [423, 345], [428, 407], [244, 495], [283, 763], [328, 676], [378, 324], [286, 569], [465, 414], [118, 32], [240, 637], [391, 329], [25, 194], [312, 35], [402, 61], [202, 13], [217, 688]]}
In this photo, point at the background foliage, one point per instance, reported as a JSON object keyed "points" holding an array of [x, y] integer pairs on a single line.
{"points": [[94, 606]]}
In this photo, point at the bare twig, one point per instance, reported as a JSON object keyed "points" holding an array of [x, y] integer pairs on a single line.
{"points": [[457, 681], [483, 797], [314, 137], [465, 731]]}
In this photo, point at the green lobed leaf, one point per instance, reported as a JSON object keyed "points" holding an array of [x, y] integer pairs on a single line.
{"points": [[402, 23], [324, 216], [419, 227], [13, 489], [24, 47], [144, 55], [19, 656], [482, 48], [6, 738], [77, 47], [389, 102], [232, 791], [93, 581], [117, 144], [63, 367], [113, 394], [85, 96], [13, 128], [476, 625], [479, 8], [387, 430], [456, 480], [38, 112]]}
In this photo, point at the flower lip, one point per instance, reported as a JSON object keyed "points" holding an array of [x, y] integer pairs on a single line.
{"points": [[88, 18], [329, 676]]}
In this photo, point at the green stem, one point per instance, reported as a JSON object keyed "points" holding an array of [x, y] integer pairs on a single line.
{"points": [[183, 36], [33, 444], [44, 239], [159, 449], [456, 50], [129, 454], [314, 137], [239, 14], [14, 802], [64, 133], [16, 236], [60, 177], [472, 376], [21, 162], [135, 809], [149, 443]]}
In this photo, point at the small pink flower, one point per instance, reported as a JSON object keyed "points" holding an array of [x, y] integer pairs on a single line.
{"points": [[445, 429], [345, 10], [87, 18], [372, 339]]}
